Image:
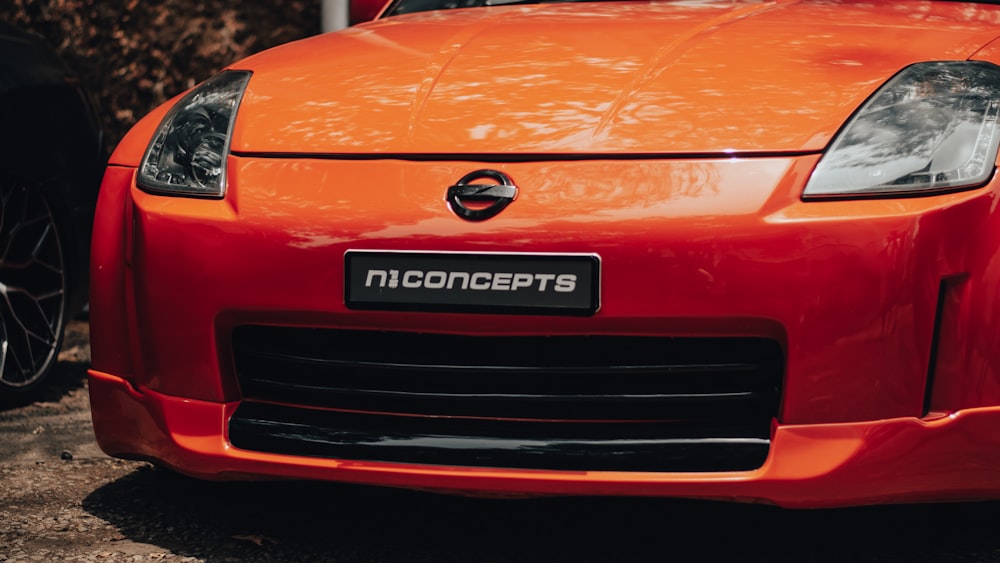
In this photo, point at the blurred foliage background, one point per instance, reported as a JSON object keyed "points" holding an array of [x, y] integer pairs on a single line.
{"points": [[132, 55]]}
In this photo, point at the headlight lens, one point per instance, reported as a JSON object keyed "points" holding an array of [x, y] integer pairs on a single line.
{"points": [[187, 155], [932, 128]]}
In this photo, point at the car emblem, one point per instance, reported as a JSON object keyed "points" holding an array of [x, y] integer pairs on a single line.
{"points": [[471, 201]]}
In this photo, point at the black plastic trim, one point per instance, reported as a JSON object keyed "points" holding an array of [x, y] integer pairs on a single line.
{"points": [[935, 343], [511, 444]]}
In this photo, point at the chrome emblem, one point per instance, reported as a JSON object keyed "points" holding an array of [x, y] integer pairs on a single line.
{"points": [[491, 198]]}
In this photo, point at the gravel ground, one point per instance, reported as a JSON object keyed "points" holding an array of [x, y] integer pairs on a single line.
{"points": [[61, 499], [49, 463]]}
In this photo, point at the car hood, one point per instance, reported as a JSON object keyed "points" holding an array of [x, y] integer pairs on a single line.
{"points": [[595, 78]]}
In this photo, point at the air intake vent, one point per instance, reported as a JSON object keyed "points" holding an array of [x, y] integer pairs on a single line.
{"points": [[555, 402]]}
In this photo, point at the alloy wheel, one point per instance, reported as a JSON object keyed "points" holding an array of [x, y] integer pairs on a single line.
{"points": [[32, 287]]}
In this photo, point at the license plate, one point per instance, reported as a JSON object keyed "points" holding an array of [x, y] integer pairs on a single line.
{"points": [[560, 284]]}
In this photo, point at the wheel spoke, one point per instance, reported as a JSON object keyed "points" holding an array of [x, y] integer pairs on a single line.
{"points": [[3, 345]]}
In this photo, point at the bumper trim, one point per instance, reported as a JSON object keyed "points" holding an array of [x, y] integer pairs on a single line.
{"points": [[596, 446], [819, 465]]}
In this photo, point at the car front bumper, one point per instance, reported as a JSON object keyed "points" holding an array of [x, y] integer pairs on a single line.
{"points": [[887, 390]]}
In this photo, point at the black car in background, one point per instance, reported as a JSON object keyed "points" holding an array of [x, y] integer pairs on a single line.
{"points": [[51, 161]]}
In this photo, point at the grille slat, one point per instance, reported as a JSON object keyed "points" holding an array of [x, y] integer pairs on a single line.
{"points": [[613, 402], [294, 389], [327, 364]]}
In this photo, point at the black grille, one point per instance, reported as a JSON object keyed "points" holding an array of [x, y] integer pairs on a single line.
{"points": [[556, 402]]}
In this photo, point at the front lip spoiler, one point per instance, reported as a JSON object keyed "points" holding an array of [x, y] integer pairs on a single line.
{"points": [[898, 460]]}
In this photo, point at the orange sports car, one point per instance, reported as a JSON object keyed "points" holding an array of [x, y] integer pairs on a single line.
{"points": [[741, 250]]}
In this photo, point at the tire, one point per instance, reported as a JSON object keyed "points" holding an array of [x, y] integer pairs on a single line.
{"points": [[33, 288]]}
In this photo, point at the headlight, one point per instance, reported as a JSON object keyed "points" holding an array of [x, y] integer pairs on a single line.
{"points": [[932, 128], [187, 155]]}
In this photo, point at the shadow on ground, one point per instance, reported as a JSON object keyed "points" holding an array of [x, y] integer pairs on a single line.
{"points": [[319, 521]]}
